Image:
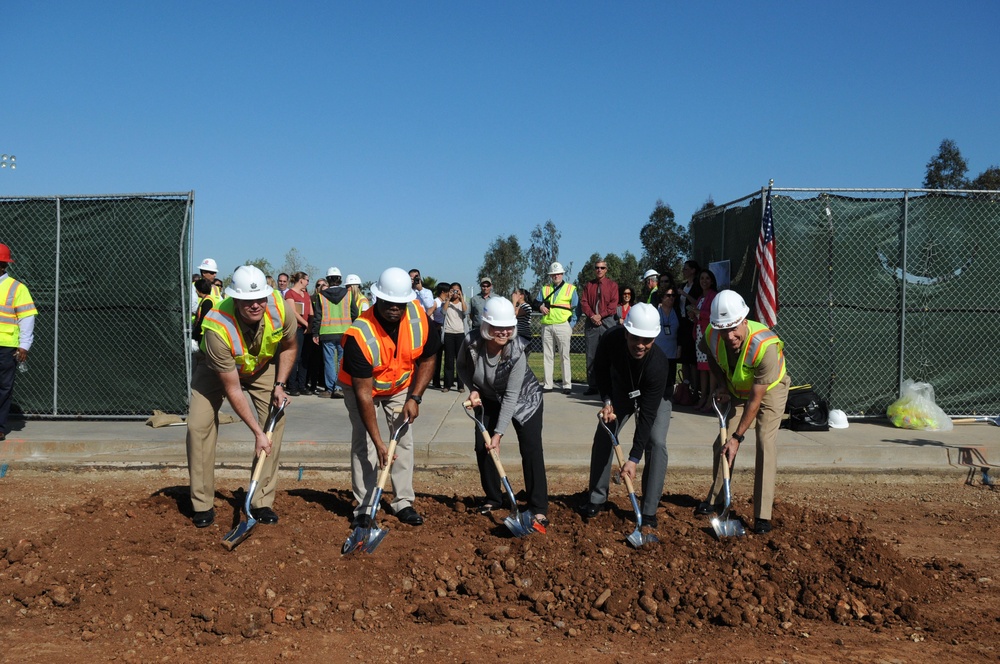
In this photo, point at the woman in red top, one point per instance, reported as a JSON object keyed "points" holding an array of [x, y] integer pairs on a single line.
{"points": [[701, 317], [297, 301]]}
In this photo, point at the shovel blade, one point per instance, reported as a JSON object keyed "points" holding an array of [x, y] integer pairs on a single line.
{"points": [[354, 541], [374, 538], [728, 528], [637, 538], [236, 536], [520, 524]]}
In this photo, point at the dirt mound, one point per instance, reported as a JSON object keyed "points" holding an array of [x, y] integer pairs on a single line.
{"points": [[107, 568]]}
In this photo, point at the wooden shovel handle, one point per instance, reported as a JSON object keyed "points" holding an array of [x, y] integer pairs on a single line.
{"points": [[259, 466], [383, 475]]}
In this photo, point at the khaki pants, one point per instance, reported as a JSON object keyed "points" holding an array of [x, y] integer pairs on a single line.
{"points": [[364, 458], [772, 408], [557, 335], [207, 394]]}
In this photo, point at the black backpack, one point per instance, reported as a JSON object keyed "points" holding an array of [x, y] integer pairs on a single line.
{"points": [[806, 410]]}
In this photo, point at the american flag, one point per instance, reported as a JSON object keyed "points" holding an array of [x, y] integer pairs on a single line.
{"points": [[767, 269]]}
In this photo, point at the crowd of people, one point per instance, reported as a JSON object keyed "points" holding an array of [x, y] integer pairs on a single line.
{"points": [[274, 339]]}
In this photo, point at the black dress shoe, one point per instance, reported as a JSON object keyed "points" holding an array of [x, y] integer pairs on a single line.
{"points": [[362, 521], [265, 515], [409, 516], [761, 527], [204, 519], [591, 391], [590, 510], [704, 509], [649, 520]]}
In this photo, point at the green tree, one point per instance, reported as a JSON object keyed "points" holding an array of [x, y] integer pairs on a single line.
{"points": [[665, 243], [505, 263], [544, 250], [262, 263], [947, 169], [988, 180], [296, 262]]}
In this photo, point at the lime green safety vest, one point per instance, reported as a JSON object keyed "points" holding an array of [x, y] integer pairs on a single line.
{"points": [[740, 378], [223, 321], [560, 307], [335, 318], [15, 302]]}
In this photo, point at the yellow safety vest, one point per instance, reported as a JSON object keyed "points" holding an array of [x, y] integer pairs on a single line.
{"points": [[740, 378], [561, 307], [392, 362], [15, 303], [335, 318], [223, 321]]}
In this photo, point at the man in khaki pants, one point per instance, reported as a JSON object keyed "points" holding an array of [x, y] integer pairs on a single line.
{"points": [[748, 362], [248, 343]]}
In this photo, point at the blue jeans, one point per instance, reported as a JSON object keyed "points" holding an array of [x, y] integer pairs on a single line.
{"points": [[333, 355]]}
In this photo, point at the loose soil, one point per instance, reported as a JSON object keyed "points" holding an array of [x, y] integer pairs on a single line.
{"points": [[104, 565]]}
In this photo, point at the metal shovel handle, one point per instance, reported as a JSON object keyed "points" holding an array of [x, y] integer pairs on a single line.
{"points": [[619, 455]]}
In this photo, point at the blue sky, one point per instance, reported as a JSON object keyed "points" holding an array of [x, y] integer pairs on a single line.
{"points": [[413, 133]]}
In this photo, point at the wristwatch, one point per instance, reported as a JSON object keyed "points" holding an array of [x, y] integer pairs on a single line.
{"points": [[738, 437], [281, 385], [416, 398]]}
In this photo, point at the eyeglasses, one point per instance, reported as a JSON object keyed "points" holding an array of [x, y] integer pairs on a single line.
{"points": [[486, 284], [502, 331]]}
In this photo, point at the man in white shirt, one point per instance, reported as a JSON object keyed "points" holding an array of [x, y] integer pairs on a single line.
{"points": [[425, 296]]}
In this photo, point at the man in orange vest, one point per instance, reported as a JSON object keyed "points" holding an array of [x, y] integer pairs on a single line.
{"points": [[388, 362], [249, 343]]}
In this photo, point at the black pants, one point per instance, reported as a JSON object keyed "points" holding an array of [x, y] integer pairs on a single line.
{"points": [[8, 369], [297, 379], [452, 344], [529, 442]]}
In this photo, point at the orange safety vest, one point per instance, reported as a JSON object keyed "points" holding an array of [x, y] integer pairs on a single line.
{"points": [[392, 363]]}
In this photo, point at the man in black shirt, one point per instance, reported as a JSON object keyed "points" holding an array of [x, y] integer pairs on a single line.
{"points": [[633, 376]]}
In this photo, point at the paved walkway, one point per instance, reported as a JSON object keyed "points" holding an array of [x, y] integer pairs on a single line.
{"points": [[318, 433]]}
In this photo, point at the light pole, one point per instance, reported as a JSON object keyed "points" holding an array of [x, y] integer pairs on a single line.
{"points": [[8, 160]]}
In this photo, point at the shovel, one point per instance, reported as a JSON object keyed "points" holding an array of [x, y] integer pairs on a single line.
{"points": [[520, 524], [235, 536], [369, 538], [637, 538], [722, 524], [995, 421]]}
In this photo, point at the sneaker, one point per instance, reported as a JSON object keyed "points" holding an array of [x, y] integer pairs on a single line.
{"points": [[324, 394], [337, 394]]}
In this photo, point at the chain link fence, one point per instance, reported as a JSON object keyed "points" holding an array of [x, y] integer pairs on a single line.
{"points": [[109, 276], [875, 286]]}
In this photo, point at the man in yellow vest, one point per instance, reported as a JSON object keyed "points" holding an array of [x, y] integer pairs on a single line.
{"points": [[748, 361], [17, 332], [208, 270], [338, 307], [557, 302], [248, 343], [388, 363]]}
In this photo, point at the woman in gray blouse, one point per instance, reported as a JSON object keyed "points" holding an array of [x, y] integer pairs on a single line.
{"points": [[493, 363]]}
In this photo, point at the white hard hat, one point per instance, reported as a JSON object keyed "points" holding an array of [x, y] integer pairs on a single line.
{"points": [[650, 273], [208, 265], [728, 310], [556, 268], [394, 285], [333, 271], [643, 320], [837, 419], [499, 312], [352, 280], [249, 283]]}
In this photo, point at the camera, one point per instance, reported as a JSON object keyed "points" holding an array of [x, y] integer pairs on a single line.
{"points": [[416, 280]]}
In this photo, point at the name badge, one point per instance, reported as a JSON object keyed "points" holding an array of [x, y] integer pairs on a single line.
{"points": [[634, 394]]}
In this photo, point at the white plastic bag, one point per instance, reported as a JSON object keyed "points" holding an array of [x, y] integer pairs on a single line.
{"points": [[916, 409]]}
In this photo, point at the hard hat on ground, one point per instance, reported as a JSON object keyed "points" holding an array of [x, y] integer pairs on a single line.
{"points": [[249, 283], [394, 285], [208, 265], [728, 310], [650, 273], [499, 312], [5, 254], [643, 320], [556, 268], [837, 419], [352, 280], [333, 272]]}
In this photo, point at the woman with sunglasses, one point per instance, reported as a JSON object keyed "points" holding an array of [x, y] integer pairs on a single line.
{"points": [[625, 301], [493, 363]]}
